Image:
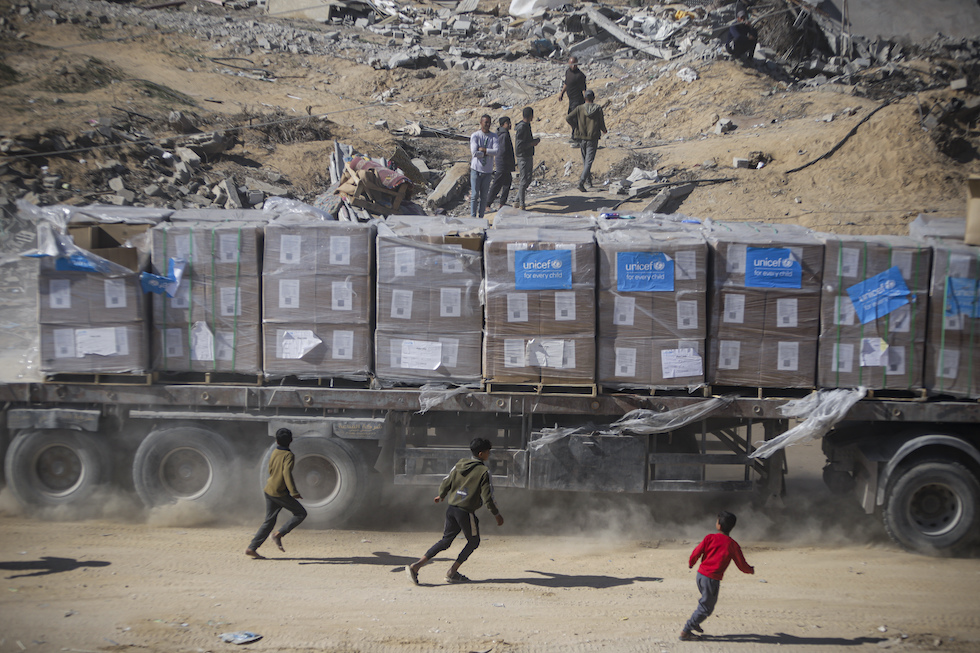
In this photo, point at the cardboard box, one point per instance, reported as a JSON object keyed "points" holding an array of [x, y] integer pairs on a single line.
{"points": [[451, 358], [289, 297], [111, 241], [652, 315], [318, 247], [650, 362], [430, 260], [344, 299], [503, 244], [63, 298], [220, 346], [556, 360], [115, 300], [228, 249], [403, 309], [293, 350], [106, 348], [505, 360], [953, 349], [972, 236], [766, 363], [873, 362]]}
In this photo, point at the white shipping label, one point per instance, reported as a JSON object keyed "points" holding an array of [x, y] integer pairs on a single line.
{"points": [[295, 343], [686, 265], [453, 263], [728, 354], [401, 304], [902, 259], [59, 293], [735, 260], [404, 262], [949, 363], [558, 354], [895, 361], [182, 298], [450, 302], [340, 250], [564, 306], [64, 343], [224, 345], [848, 262], [98, 342], [843, 311], [421, 355], [517, 307], [788, 356], [228, 247], [873, 352], [514, 247], [290, 249], [289, 293], [395, 353], [122, 341], [687, 314], [953, 322], [959, 266], [115, 293], [734, 309], [514, 353], [450, 352], [676, 363], [182, 245], [202, 342], [900, 320], [343, 346], [623, 310], [786, 313], [173, 343], [231, 301], [843, 358], [625, 362], [342, 295]]}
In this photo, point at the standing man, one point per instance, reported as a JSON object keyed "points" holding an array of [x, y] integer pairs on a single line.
{"points": [[483, 148], [588, 121], [280, 492], [505, 165], [574, 86], [468, 486], [524, 145]]}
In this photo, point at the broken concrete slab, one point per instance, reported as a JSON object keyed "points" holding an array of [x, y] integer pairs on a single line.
{"points": [[454, 184]]}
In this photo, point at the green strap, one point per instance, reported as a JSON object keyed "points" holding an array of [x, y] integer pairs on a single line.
{"points": [[864, 276], [973, 326], [915, 284], [163, 348], [238, 271], [190, 299], [884, 368], [942, 318], [214, 315], [840, 302]]}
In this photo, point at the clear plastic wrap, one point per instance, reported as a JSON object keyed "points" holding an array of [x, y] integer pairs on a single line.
{"points": [[433, 394], [820, 411], [282, 207], [879, 342], [930, 226], [953, 348], [19, 335], [511, 218]]}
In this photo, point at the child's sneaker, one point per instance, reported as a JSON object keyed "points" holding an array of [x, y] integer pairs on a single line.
{"points": [[457, 578], [687, 636], [412, 574], [696, 628]]}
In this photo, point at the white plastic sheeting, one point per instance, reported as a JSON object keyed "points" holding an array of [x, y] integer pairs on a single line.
{"points": [[526, 8], [433, 394], [820, 411]]}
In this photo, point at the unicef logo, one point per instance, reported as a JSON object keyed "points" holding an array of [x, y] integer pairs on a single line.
{"points": [[659, 265], [556, 263], [787, 262], [889, 285]]}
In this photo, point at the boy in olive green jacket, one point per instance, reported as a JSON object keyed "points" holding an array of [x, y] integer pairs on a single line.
{"points": [[469, 487]]}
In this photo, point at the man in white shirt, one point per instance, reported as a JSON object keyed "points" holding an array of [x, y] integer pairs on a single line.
{"points": [[483, 148]]}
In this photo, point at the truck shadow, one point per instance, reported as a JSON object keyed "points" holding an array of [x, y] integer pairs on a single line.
{"points": [[49, 565], [552, 580], [783, 638]]}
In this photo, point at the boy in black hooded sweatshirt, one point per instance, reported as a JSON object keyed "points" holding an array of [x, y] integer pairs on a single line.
{"points": [[469, 487]]}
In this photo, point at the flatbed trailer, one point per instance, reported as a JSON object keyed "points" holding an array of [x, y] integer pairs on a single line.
{"points": [[913, 461]]}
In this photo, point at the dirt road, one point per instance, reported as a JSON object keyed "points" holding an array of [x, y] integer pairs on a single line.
{"points": [[571, 574]]}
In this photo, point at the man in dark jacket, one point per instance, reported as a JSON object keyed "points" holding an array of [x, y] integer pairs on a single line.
{"points": [[574, 87], [589, 124], [468, 486], [505, 165], [524, 144], [280, 492], [742, 38]]}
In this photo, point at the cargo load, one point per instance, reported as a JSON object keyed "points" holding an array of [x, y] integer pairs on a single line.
{"points": [[953, 350]]}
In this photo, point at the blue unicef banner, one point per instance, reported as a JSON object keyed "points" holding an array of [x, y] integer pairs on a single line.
{"points": [[879, 295], [80, 262], [772, 267], [644, 272], [157, 284], [543, 270], [962, 297]]}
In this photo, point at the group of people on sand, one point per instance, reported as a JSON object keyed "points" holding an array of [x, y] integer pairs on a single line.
{"points": [[467, 488]]}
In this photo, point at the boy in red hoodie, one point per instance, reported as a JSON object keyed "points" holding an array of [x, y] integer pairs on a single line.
{"points": [[717, 551]]}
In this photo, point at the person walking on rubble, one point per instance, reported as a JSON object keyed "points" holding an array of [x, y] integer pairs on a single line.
{"points": [[280, 492], [504, 166], [574, 86], [588, 121], [524, 144], [716, 551], [483, 149], [468, 486], [742, 38]]}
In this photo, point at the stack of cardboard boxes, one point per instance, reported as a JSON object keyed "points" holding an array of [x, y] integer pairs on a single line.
{"points": [[652, 320], [953, 350], [94, 321], [317, 298], [212, 322], [540, 323], [873, 312], [429, 311], [765, 305]]}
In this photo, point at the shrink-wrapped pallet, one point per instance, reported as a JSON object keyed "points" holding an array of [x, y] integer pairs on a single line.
{"points": [[953, 349]]}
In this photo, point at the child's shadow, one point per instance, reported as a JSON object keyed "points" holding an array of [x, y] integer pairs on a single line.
{"points": [[553, 580], [783, 638]]}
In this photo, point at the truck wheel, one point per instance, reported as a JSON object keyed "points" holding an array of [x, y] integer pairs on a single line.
{"points": [[332, 477], [55, 468], [932, 508], [185, 464]]}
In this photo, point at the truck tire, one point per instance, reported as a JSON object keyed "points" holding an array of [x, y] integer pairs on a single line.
{"points": [[185, 463], [56, 467], [332, 477], [932, 508]]}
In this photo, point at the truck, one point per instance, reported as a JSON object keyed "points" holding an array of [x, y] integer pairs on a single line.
{"points": [[912, 460]]}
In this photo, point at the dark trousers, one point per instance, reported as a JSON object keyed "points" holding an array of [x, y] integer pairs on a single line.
{"points": [[588, 149], [709, 588], [525, 166], [571, 107], [500, 185], [458, 520], [272, 507], [743, 49]]}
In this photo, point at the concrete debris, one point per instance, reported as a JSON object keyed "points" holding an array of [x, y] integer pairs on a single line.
{"points": [[725, 125]]}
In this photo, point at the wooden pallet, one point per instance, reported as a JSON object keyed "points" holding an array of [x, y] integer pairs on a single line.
{"points": [[650, 391], [364, 383], [208, 378], [757, 392], [578, 390], [917, 394], [100, 378]]}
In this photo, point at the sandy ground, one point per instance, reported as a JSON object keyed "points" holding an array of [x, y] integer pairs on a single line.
{"points": [[576, 574]]}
